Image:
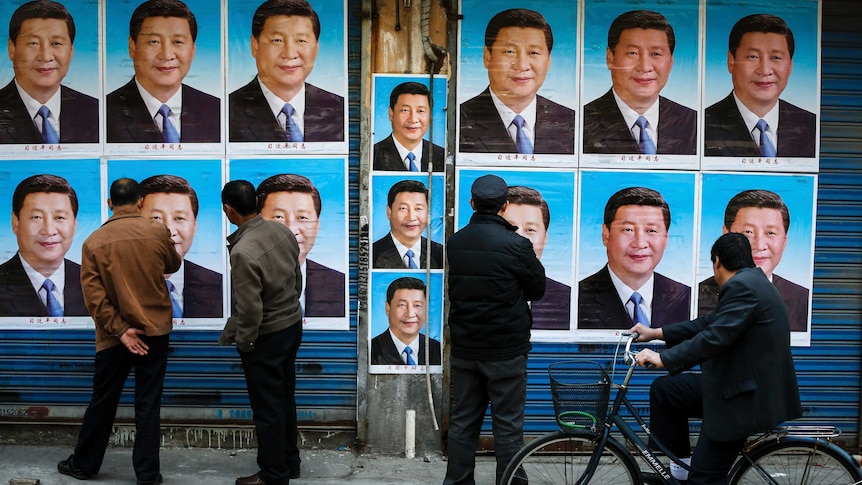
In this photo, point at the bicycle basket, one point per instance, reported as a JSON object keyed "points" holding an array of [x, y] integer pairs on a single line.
{"points": [[580, 389]]}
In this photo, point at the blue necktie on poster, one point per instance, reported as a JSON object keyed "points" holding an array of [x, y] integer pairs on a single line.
{"points": [[291, 131], [646, 145], [521, 139], [409, 360], [49, 135], [410, 262], [176, 311], [54, 307], [639, 314], [169, 132], [766, 147], [412, 158]]}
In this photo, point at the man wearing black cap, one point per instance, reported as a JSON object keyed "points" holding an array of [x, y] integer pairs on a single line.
{"points": [[493, 273]]}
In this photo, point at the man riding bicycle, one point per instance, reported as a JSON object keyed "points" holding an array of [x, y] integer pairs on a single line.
{"points": [[748, 382]]}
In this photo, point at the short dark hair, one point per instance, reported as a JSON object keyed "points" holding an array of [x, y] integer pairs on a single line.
{"points": [[125, 191], [518, 17], [409, 87], [521, 195], [636, 196], [162, 8], [240, 195], [404, 283], [288, 182], [170, 184], [271, 8], [50, 184], [757, 198], [759, 22], [405, 186], [640, 19], [40, 9], [733, 250]]}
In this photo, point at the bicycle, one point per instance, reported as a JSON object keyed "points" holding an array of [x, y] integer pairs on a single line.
{"points": [[584, 452]]}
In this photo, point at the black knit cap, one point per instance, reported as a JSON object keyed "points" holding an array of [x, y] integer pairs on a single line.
{"points": [[490, 189]]}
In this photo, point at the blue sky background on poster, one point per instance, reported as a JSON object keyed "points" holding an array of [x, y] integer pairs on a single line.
{"points": [[560, 84], [379, 285], [802, 18], [205, 177], [83, 72], [677, 188], [330, 69], [329, 177], [208, 56], [383, 86], [81, 175], [682, 16], [797, 192], [558, 189], [379, 200]]}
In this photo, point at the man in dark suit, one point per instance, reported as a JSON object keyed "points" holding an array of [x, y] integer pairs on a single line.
{"points": [[628, 290], [278, 105], [748, 383], [155, 106], [38, 281], [34, 106], [764, 218], [295, 202], [403, 343], [631, 117], [760, 60], [404, 247], [508, 116], [196, 292], [529, 212], [406, 148]]}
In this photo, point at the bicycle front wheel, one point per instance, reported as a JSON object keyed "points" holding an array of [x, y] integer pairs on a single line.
{"points": [[562, 459], [794, 462]]}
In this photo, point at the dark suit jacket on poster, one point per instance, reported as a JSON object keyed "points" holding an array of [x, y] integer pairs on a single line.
{"points": [[129, 121], [17, 298], [795, 299], [79, 118], [727, 135], [743, 348], [554, 310], [324, 291], [599, 304], [385, 254], [483, 132], [202, 292], [605, 129], [384, 351], [386, 156], [251, 119]]}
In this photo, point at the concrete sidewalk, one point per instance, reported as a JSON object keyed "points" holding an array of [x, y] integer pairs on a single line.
{"points": [[23, 465]]}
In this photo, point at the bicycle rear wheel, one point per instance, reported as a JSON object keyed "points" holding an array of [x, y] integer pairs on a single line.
{"points": [[562, 458], [796, 461]]}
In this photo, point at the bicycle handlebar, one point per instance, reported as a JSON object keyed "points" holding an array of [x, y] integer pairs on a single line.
{"points": [[629, 356]]}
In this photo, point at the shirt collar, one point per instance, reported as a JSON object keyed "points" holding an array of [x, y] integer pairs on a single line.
{"points": [[276, 104], [58, 277]]}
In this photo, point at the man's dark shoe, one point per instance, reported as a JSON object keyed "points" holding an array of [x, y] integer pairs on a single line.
{"points": [[250, 480], [67, 467], [155, 481]]}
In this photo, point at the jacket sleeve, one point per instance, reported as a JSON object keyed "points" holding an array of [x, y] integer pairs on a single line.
{"points": [[246, 278], [533, 276], [734, 315], [104, 314]]}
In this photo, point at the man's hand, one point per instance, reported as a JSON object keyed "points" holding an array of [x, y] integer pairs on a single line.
{"points": [[645, 334], [647, 356], [131, 339]]}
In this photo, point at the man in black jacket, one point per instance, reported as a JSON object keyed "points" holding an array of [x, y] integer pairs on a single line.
{"points": [[493, 273], [748, 384]]}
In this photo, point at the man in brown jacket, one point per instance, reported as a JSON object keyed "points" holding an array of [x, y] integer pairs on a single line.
{"points": [[123, 265]]}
